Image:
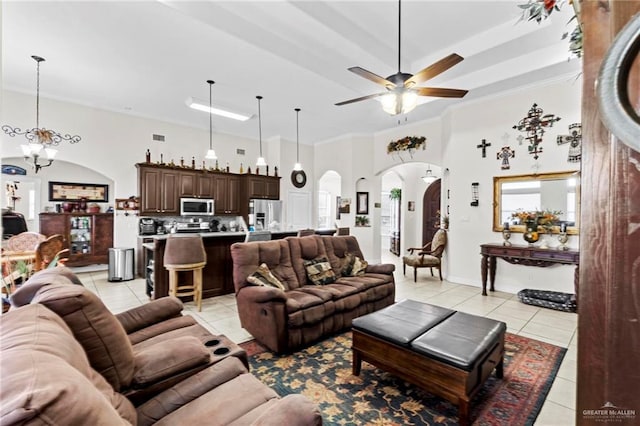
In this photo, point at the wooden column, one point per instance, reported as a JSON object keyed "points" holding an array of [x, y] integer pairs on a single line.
{"points": [[609, 298]]}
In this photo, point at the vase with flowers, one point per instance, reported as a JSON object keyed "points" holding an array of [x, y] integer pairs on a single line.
{"points": [[535, 221]]}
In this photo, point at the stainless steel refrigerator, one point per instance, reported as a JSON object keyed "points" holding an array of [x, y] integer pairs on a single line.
{"points": [[265, 215]]}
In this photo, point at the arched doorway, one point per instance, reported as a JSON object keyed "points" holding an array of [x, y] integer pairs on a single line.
{"points": [[430, 208], [329, 189]]}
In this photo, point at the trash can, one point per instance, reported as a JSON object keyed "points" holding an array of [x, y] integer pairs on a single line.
{"points": [[120, 264]]}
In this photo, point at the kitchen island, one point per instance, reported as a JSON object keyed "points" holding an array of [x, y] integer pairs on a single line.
{"points": [[217, 276]]}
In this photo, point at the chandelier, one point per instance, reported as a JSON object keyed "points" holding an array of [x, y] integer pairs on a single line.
{"points": [[40, 140], [429, 177]]}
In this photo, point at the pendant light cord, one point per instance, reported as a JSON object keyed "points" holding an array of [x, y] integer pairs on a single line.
{"points": [[211, 82], [399, 32], [297, 137], [259, 124], [38, 59]]}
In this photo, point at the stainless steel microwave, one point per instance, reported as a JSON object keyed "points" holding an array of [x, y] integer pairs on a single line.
{"points": [[196, 206]]}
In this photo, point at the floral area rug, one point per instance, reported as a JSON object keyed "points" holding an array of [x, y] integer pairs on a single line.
{"points": [[322, 372]]}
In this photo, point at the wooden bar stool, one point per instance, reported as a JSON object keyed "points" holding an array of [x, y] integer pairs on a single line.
{"points": [[185, 253]]}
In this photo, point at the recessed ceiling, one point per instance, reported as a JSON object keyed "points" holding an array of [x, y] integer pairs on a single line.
{"points": [[147, 57]]}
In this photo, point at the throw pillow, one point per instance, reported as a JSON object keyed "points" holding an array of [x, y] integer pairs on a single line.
{"points": [[353, 265], [319, 271], [263, 276]]}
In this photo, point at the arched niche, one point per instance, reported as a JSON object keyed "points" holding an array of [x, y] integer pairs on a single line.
{"points": [[329, 189]]}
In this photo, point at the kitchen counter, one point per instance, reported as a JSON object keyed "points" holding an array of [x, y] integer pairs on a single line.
{"points": [[217, 277]]}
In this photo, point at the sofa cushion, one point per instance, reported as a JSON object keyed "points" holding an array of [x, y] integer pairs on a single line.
{"points": [[95, 328], [39, 361], [247, 257], [353, 265], [337, 248], [168, 358], [307, 248], [58, 275], [319, 271], [149, 314], [263, 276]]}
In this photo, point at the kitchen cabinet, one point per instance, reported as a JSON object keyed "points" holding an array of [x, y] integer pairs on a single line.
{"points": [[87, 236], [228, 194], [264, 187], [187, 184], [158, 189], [204, 186]]}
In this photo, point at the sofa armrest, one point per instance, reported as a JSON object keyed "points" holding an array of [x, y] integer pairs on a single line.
{"points": [[291, 410], [168, 358], [189, 389], [150, 313], [262, 294], [382, 268]]}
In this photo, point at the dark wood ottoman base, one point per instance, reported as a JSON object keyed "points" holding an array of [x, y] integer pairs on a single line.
{"points": [[440, 378]]}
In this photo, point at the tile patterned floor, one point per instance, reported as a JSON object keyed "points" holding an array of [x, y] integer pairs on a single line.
{"points": [[219, 315]]}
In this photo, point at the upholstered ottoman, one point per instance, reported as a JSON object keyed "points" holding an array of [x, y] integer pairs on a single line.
{"points": [[448, 353]]}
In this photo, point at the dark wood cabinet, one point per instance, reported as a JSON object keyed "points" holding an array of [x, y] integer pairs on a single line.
{"points": [[228, 194], [265, 187], [161, 187], [158, 189], [87, 236]]}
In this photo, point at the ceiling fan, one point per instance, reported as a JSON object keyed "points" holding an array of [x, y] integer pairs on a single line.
{"points": [[402, 95]]}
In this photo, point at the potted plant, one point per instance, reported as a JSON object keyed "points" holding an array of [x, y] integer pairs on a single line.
{"points": [[395, 193], [362, 221]]}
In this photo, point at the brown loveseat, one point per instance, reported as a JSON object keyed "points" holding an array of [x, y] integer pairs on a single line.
{"points": [[302, 313], [77, 366]]}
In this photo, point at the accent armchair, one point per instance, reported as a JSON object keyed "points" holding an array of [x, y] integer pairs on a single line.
{"points": [[429, 256]]}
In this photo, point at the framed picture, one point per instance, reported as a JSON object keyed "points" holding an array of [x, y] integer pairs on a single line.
{"points": [[345, 205], [412, 206], [362, 204], [71, 191]]}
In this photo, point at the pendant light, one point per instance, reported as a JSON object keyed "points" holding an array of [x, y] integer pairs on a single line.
{"points": [[297, 166], [40, 140], [211, 154], [429, 178], [261, 162]]}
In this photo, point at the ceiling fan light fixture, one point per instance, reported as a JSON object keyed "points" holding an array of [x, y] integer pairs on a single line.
{"points": [[399, 102]]}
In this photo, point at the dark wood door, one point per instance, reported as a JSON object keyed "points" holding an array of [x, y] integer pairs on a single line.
{"points": [[187, 186], [430, 208], [204, 186], [102, 235], [55, 223], [149, 183], [169, 193], [608, 298]]}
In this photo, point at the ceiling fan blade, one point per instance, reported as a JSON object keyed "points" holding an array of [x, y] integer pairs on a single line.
{"points": [[363, 98], [434, 69], [371, 76], [440, 92]]}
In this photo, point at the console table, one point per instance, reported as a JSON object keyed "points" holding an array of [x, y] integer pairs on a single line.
{"points": [[524, 255]]}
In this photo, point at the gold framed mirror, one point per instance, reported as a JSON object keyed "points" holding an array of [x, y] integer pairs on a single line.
{"points": [[558, 192]]}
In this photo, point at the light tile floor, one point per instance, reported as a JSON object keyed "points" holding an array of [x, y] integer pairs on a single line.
{"points": [[219, 315]]}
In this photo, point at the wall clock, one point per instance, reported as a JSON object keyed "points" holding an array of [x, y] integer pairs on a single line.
{"points": [[298, 178]]}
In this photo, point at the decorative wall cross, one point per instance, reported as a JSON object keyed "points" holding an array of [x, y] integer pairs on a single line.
{"points": [[484, 146], [575, 142], [533, 125], [504, 154]]}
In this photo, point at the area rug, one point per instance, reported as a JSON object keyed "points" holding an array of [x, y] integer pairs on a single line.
{"points": [[322, 372]]}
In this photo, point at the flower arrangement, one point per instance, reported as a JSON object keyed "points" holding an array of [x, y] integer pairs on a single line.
{"points": [[538, 10], [544, 218], [408, 143]]}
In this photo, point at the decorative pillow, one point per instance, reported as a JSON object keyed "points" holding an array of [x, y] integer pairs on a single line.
{"points": [[319, 271], [263, 276], [353, 265]]}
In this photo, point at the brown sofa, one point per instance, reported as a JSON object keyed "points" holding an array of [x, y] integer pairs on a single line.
{"points": [[55, 365], [304, 313]]}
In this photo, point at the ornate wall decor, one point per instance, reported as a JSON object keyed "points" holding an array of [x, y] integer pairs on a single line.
{"points": [[407, 144], [533, 125], [574, 139], [504, 154], [484, 146]]}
